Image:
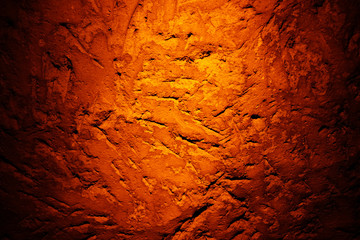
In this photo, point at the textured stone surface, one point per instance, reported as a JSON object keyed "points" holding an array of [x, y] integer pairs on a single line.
{"points": [[179, 119]]}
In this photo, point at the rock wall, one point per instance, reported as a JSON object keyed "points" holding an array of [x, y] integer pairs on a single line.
{"points": [[180, 119]]}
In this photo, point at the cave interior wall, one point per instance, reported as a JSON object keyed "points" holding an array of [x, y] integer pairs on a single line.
{"points": [[179, 119]]}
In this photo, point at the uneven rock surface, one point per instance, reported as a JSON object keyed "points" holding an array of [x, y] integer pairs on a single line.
{"points": [[180, 119]]}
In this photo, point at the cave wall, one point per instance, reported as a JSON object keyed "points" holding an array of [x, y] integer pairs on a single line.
{"points": [[179, 119]]}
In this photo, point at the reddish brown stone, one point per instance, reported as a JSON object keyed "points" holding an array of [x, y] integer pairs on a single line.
{"points": [[179, 119]]}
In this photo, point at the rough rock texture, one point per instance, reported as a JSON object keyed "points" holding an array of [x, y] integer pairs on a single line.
{"points": [[180, 119]]}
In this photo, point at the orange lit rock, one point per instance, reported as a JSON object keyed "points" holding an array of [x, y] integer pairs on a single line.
{"points": [[179, 119]]}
